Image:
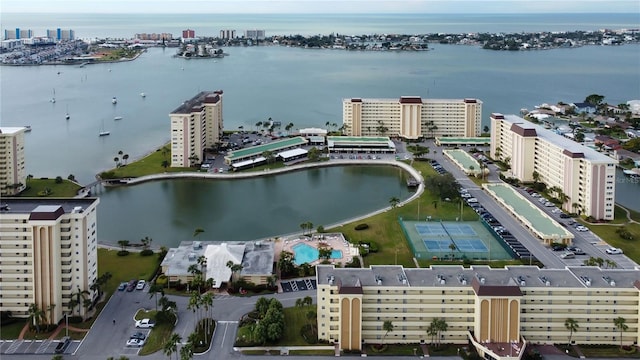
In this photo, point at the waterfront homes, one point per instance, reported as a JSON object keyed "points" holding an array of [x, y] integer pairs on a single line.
{"points": [[196, 125], [412, 117], [500, 311], [13, 177], [587, 178], [255, 259], [48, 249]]}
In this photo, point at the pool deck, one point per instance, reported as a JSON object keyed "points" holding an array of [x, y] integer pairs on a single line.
{"points": [[336, 241]]}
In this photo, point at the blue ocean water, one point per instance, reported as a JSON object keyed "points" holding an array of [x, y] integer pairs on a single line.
{"points": [[127, 25]]}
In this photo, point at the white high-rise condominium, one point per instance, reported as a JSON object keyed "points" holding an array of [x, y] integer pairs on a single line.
{"points": [[195, 126], [586, 178], [13, 176], [412, 117], [49, 256]]}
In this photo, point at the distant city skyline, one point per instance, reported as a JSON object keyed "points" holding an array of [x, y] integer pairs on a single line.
{"points": [[320, 6]]}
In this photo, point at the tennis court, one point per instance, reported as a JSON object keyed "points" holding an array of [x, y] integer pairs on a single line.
{"points": [[472, 240], [446, 229]]}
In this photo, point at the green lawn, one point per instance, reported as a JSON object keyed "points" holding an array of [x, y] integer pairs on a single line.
{"points": [[394, 350], [150, 164], [608, 233], [124, 268], [159, 335], [294, 318], [11, 331], [607, 351], [35, 187], [384, 229]]}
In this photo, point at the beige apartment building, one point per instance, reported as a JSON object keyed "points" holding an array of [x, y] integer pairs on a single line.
{"points": [[195, 126], [13, 176], [586, 176], [412, 117], [48, 255], [499, 310]]}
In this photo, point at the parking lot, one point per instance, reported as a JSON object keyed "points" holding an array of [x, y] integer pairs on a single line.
{"points": [[17, 347]]}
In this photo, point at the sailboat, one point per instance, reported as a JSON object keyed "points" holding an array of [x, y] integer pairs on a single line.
{"points": [[114, 100], [53, 99], [67, 116], [143, 94], [103, 132]]}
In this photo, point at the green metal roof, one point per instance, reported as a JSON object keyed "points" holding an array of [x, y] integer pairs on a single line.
{"points": [[469, 140], [542, 223], [464, 159], [259, 149], [363, 139]]}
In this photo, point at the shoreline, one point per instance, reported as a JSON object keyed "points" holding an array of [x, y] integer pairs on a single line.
{"points": [[216, 176]]}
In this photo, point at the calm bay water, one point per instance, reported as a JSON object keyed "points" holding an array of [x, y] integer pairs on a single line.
{"points": [[290, 85], [169, 211]]}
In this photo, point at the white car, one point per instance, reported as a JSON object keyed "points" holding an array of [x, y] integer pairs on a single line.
{"points": [[582, 228], [140, 285], [135, 342], [613, 251], [472, 200], [145, 323]]}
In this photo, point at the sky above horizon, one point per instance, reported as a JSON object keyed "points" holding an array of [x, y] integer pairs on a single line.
{"points": [[320, 6]]}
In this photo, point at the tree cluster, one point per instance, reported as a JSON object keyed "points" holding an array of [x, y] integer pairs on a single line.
{"points": [[443, 186], [270, 326]]}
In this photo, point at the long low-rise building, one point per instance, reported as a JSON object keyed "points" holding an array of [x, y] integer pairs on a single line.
{"points": [[48, 256], [253, 152], [498, 310], [587, 178], [412, 117]]}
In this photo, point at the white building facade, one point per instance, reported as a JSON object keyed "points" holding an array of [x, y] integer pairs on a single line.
{"points": [[587, 177], [195, 126], [13, 176], [49, 253], [412, 117]]}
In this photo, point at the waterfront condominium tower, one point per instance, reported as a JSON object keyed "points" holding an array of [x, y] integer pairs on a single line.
{"points": [[195, 126], [49, 256], [499, 311], [13, 176], [586, 178], [412, 117]]}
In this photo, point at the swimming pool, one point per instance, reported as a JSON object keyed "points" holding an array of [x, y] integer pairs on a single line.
{"points": [[304, 253]]}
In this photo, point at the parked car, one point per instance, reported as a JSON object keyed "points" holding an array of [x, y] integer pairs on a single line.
{"points": [[62, 345], [576, 250], [564, 215], [582, 228], [613, 251], [568, 255], [138, 335], [145, 323], [135, 342], [122, 286], [132, 285], [472, 200], [140, 285]]}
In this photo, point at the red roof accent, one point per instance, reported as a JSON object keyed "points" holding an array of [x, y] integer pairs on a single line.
{"points": [[470, 101], [573, 155], [410, 100], [356, 100], [497, 116]]}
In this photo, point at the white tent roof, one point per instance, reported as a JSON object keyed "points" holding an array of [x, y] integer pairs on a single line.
{"points": [[292, 153], [257, 160], [217, 258]]}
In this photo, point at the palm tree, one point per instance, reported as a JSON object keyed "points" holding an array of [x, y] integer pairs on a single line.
{"points": [[197, 232], [79, 297], [186, 351], [453, 248], [116, 160], [288, 127], [259, 124], [171, 346], [154, 289], [235, 270], [387, 326], [572, 326], [535, 176], [146, 242], [125, 157], [394, 202], [441, 326], [124, 244], [36, 316], [165, 164], [267, 154], [621, 325]]}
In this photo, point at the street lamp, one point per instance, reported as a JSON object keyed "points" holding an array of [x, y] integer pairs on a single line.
{"points": [[66, 323]]}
